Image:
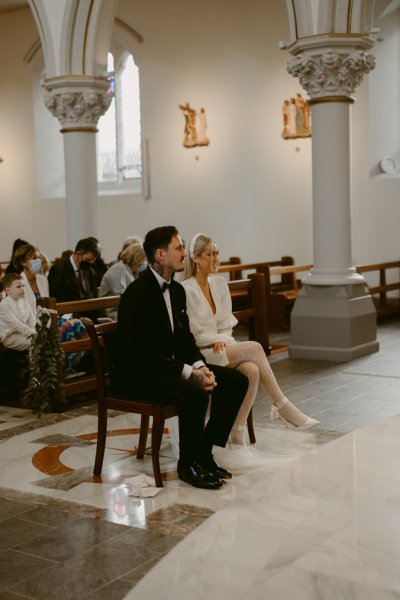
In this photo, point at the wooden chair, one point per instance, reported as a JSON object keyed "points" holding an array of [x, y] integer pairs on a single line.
{"points": [[103, 338]]}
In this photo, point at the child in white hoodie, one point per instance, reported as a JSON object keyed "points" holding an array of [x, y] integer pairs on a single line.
{"points": [[17, 321]]}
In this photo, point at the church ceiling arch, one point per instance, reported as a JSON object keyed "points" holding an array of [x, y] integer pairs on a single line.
{"points": [[75, 35], [329, 17]]}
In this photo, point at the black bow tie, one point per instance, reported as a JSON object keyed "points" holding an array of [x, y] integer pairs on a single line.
{"points": [[165, 286]]}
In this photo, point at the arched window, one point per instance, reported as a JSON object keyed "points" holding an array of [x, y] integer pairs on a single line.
{"points": [[119, 159]]}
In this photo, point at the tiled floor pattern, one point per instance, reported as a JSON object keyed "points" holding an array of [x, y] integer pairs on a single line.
{"points": [[56, 519]]}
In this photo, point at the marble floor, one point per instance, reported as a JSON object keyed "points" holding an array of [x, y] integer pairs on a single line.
{"points": [[313, 515]]}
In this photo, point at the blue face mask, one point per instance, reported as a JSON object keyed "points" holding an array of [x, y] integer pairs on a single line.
{"points": [[35, 265], [142, 267]]}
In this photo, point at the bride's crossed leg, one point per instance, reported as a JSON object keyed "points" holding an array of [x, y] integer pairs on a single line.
{"points": [[250, 359]]}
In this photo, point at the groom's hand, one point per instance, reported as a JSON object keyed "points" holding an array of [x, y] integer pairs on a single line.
{"points": [[205, 378]]}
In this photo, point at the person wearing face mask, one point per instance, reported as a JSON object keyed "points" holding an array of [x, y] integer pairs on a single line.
{"points": [[115, 281], [74, 278], [27, 260]]}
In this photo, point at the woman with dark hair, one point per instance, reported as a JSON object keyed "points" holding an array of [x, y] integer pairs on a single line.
{"points": [[11, 268]]}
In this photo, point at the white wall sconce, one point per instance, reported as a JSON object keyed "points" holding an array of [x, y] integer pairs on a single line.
{"points": [[389, 165]]}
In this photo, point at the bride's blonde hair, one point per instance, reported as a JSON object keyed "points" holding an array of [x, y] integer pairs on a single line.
{"points": [[198, 244]]}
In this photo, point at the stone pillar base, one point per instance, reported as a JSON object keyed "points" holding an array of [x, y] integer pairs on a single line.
{"points": [[335, 322]]}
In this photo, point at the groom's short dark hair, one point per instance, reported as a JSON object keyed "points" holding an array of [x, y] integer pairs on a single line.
{"points": [[160, 237]]}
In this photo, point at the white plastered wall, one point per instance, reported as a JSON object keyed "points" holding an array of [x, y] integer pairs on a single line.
{"points": [[249, 189], [17, 172]]}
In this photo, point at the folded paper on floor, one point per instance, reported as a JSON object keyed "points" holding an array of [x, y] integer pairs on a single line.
{"points": [[142, 486]]}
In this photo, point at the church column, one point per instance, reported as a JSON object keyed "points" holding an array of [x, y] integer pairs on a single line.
{"points": [[334, 317], [78, 102]]}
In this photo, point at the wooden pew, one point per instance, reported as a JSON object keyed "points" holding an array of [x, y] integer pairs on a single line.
{"points": [[385, 303], [282, 284], [68, 387], [232, 260], [255, 311], [280, 301], [235, 268]]}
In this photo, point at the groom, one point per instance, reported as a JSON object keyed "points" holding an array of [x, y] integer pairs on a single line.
{"points": [[158, 359]]}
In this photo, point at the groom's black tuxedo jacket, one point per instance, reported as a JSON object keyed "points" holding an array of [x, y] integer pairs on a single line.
{"points": [[147, 346]]}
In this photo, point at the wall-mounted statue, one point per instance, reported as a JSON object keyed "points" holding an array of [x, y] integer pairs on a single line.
{"points": [[195, 126], [296, 118]]}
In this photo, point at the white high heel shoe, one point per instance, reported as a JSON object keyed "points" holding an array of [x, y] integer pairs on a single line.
{"points": [[294, 418]]}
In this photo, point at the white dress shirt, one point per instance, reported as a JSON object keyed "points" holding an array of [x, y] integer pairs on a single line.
{"points": [[187, 369]]}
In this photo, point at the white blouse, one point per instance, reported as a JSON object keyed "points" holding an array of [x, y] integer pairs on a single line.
{"points": [[16, 316], [43, 287], [206, 327]]}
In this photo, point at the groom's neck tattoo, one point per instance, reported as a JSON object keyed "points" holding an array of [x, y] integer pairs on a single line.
{"points": [[162, 270]]}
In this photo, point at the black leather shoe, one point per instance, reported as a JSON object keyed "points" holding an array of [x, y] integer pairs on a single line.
{"points": [[215, 468], [196, 475]]}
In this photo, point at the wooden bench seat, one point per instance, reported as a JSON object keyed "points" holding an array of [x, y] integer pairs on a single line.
{"points": [[239, 270], [386, 304], [387, 275], [280, 300]]}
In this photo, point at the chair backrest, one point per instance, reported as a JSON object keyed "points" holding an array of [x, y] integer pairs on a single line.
{"points": [[104, 338]]}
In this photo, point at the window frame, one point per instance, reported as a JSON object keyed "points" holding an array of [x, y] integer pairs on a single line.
{"points": [[121, 185]]}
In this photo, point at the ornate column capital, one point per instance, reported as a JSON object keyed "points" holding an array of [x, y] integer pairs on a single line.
{"points": [[77, 102], [331, 73]]}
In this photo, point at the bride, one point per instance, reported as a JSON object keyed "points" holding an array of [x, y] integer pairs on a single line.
{"points": [[209, 308]]}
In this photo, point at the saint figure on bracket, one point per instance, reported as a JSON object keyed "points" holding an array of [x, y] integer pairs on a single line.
{"points": [[296, 118], [192, 136]]}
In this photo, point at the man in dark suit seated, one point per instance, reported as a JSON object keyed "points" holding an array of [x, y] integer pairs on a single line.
{"points": [[74, 278], [158, 359]]}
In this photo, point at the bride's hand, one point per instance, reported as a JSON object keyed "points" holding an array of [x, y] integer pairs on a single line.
{"points": [[219, 346]]}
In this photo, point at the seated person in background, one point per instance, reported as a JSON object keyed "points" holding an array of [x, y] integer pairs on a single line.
{"points": [[133, 239], [74, 278], [119, 276], [99, 266], [27, 260], [64, 255], [17, 244], [209, 308], [17, 320]]}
